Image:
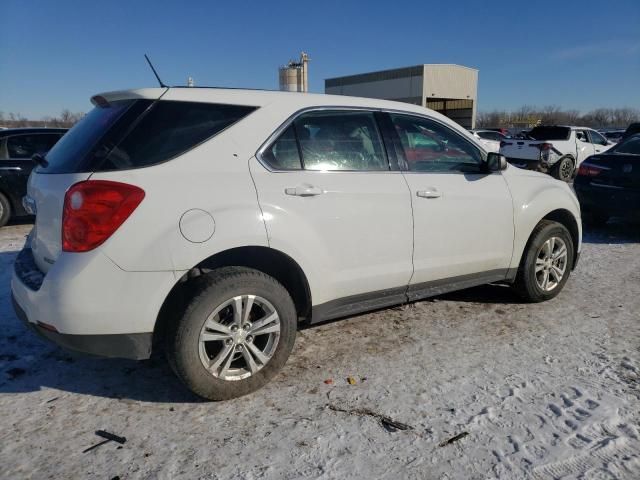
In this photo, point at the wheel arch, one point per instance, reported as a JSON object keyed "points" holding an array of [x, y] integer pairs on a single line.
{"points": [[565, 218], [268, 260]]}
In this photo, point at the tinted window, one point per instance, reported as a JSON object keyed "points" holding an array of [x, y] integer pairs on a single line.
{"points": [[550, 133], [69, 154], [340, 141], [284, 154], [139, 133], [25, 146], [431, 147], [629, 146], [169, 129], [597, 138]]}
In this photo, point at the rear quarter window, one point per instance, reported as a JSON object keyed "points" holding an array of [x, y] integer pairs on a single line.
{"points": [[169, 129], [139, 133]]}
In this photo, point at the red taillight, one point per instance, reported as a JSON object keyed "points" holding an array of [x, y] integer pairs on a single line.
{"points": [[588, 170], [93, 210]]}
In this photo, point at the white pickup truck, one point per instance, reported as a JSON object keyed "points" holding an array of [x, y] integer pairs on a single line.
{"points": [[557, 150]]}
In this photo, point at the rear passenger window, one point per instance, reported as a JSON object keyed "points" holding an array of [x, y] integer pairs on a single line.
{"points": [[283, 154], [338, 140], [25, 146], [168, 130]]}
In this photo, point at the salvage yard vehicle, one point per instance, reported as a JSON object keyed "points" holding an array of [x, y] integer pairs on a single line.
{"points": [[17, 146], [490, 139], [215, 221], [557, 150], [608, 184]]}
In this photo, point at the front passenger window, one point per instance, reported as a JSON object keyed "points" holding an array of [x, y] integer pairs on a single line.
{"points": [[431, 147]]}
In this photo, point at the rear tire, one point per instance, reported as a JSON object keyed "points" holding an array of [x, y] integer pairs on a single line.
{"points": [[563, 169], [5, 210], [546, 262], [220, 354]]}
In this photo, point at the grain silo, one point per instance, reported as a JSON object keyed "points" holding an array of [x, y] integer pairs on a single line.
{"points": [[294, 76]]}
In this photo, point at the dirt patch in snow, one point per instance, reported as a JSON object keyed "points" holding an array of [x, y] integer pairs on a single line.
{"points": [[487, 387]]}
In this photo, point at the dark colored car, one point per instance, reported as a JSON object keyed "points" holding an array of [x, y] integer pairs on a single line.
{"points": [[631, 130], [17, 146], [608, 184]]}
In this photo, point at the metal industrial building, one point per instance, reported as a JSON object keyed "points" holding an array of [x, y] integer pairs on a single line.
{"points": [[449, 89]]}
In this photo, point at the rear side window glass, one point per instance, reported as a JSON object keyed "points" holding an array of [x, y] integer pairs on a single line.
{"points": [[25, 146], [169, 129], [70, 154], [340, 141], [284, 154], [138, 133]]}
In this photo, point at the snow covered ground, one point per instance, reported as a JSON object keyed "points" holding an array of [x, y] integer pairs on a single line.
{"points": [[530, 391]]}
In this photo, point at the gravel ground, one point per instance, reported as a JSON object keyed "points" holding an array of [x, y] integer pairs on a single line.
{"points": [[487, 386]]}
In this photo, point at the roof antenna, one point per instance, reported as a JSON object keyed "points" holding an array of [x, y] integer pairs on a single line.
{"points": [[154, 72]]}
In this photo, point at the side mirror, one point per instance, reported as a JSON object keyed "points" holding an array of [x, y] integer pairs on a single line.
{"points": [[496, 162]]}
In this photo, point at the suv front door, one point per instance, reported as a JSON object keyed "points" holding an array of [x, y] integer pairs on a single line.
{"points": [[463, 215], [329, 195]]}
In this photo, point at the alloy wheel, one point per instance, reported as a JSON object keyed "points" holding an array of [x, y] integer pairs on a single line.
{"points": [[551, 263], [239, 338]]}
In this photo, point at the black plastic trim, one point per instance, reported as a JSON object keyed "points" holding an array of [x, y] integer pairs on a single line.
{"points": [[354, 304]]}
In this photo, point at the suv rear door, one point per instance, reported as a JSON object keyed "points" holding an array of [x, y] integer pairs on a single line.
{"points": [[330, 197], [463, 215]]}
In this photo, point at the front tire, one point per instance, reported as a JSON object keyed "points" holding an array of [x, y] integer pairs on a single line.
{"points": [[546, 263], [563, 169], [236, 333], [5, 210]]}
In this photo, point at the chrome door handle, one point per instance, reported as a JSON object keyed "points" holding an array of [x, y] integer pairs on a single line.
{"points": [[430, 193], [304, 191]]}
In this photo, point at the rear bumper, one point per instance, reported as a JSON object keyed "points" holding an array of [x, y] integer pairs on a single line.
{"points": [[85, 302], [134, 346]]}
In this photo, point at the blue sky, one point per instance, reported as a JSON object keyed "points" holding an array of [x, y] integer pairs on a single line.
{"points": [[576, 54]]}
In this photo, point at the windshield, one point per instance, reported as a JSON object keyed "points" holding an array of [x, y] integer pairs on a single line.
{"points": [[550, 133]]}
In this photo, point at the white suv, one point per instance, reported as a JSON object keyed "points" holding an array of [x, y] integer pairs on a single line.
{"points": [[214, 222]]}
